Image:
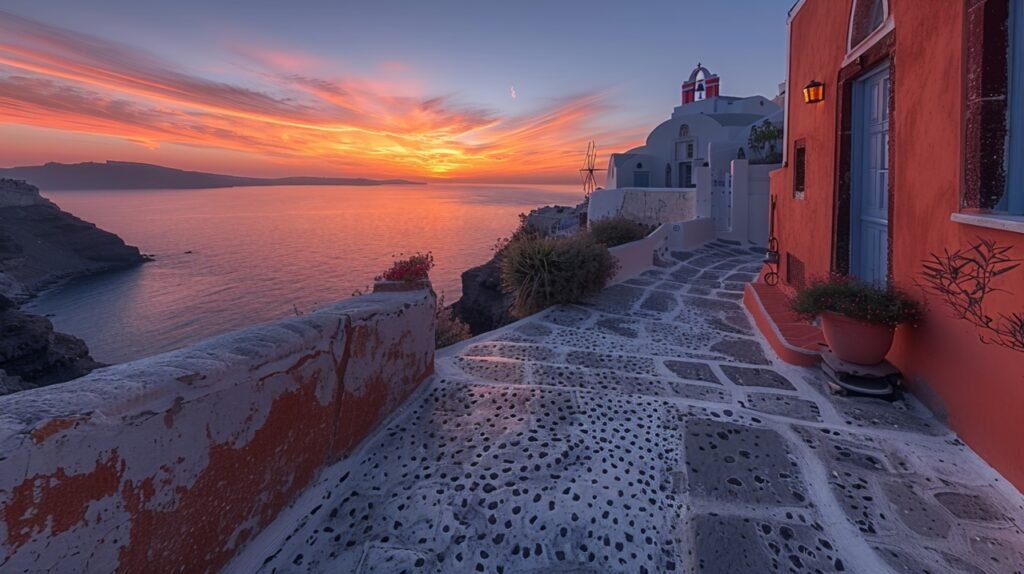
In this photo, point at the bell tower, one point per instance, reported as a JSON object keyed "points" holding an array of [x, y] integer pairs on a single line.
{"points": [[701, 85]]}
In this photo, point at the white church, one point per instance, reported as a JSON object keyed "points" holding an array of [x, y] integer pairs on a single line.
{"points": [[706, 128], [700, 174]]}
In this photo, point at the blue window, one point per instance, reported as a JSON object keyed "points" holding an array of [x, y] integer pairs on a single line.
{"points": [[1013, 199]]}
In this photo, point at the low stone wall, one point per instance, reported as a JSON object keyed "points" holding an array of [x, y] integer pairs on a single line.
{"points": [[174, 462], [653, 205], [637, 256]]}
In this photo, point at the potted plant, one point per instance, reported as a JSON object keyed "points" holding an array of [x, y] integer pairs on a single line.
{"points": [[406, 274], [858, 319]]}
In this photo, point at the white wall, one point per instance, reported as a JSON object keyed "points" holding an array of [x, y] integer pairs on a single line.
{"points": [[637, 256], [654, 205]]}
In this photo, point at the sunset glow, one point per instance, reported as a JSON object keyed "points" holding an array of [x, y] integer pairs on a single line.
{"points": [[287, 113]]}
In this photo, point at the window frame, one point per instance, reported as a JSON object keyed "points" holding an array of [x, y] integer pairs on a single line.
{"points": [[993, 183], [854, 51], [799, 169], [1012, 202]]}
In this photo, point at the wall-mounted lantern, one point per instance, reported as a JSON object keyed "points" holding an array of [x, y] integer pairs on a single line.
{"points": [[814, 92]]}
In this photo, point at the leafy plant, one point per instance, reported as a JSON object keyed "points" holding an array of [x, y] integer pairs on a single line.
{"points": [[543, 271], [524, 231], [858, 300], [448, 329], [763, 141], [414, 268], [964, 278], [619, 230]]}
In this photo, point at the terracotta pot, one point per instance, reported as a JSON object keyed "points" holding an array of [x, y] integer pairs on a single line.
{"points": [[855, 341]]}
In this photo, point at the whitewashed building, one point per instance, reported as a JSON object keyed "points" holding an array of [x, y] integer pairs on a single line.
{"points": [[705, 128], [698, 171]]}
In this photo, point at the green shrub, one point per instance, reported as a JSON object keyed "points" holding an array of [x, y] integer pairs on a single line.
{"points": [[448, 329], [857, 300], [619, 230], [544, 271]]}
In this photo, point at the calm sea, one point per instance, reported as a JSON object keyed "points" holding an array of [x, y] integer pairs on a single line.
{"points": [[228, 258]]}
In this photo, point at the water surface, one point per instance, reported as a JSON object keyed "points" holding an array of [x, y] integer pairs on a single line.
{"points": [[228, 258]]}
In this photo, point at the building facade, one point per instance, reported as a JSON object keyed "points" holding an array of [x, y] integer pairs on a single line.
{"points": [[910, 171], [706, 128]]}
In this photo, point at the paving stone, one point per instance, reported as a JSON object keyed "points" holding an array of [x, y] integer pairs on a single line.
{"points": [[705, 260], [510, 351], [659, 301], [731, 545], [641, 281], [749, 377], [999, 554], [729, 296], [970, 506], [909, 560], [623, 363], [615, 382], [567, 315], [533, 329], [493, 370], [731, 462], [711, 275], [617, 299], [693, 371], [741, 277], [917, 513], [841, 452], [621, 326], [783, 405], [741, 351]]}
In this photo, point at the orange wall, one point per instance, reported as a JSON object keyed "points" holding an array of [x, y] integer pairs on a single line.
{"points": [[980, 386]]}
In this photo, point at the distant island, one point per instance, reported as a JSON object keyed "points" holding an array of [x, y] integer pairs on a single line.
{"points": [[112, 175]]}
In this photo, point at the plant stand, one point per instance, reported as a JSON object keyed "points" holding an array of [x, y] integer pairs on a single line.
{"points": [[881, 381]]}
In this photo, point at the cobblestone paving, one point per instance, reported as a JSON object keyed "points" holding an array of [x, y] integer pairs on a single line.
{"points": [[650, 430]]}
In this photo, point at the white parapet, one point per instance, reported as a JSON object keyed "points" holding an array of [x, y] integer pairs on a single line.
{"points": [[653, 205]]}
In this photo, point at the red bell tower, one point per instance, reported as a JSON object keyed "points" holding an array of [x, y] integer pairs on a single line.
{"points": [[701, 85]]}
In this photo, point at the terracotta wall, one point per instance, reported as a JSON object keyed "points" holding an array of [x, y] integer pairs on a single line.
{"points": [[173, 463], [979, 386]]}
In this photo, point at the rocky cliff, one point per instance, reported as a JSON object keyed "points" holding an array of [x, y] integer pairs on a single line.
{"points": [[40, 244], [483, 306], [32, 354]]}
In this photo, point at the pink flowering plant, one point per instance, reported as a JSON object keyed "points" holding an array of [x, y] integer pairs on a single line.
{"points": [[859, 300], [414, 268]]}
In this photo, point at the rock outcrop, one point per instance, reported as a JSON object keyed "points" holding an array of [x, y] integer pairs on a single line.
{"points": [[32, 354], [41, 244], [483, 306]]}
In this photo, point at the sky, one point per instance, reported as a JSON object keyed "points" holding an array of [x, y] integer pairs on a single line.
{"points": [[438, 90]]}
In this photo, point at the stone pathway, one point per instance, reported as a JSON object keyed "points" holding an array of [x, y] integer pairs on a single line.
{"points": [[648, 431]]}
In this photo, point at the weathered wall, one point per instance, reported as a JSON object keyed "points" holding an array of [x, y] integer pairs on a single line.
{"points": [[174, 462], [979, 385], [647, 205], [637, 256]]}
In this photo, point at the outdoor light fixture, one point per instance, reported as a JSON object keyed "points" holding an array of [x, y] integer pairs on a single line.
{"points": [[814, 92]]}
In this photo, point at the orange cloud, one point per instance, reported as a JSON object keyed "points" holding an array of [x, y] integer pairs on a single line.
{"points": [[58, 79]]}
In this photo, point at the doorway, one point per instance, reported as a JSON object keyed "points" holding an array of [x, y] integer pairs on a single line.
{"points": [[869, 178]]}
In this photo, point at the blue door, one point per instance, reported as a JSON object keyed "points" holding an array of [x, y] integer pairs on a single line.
{"points": [[869, 198]]}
